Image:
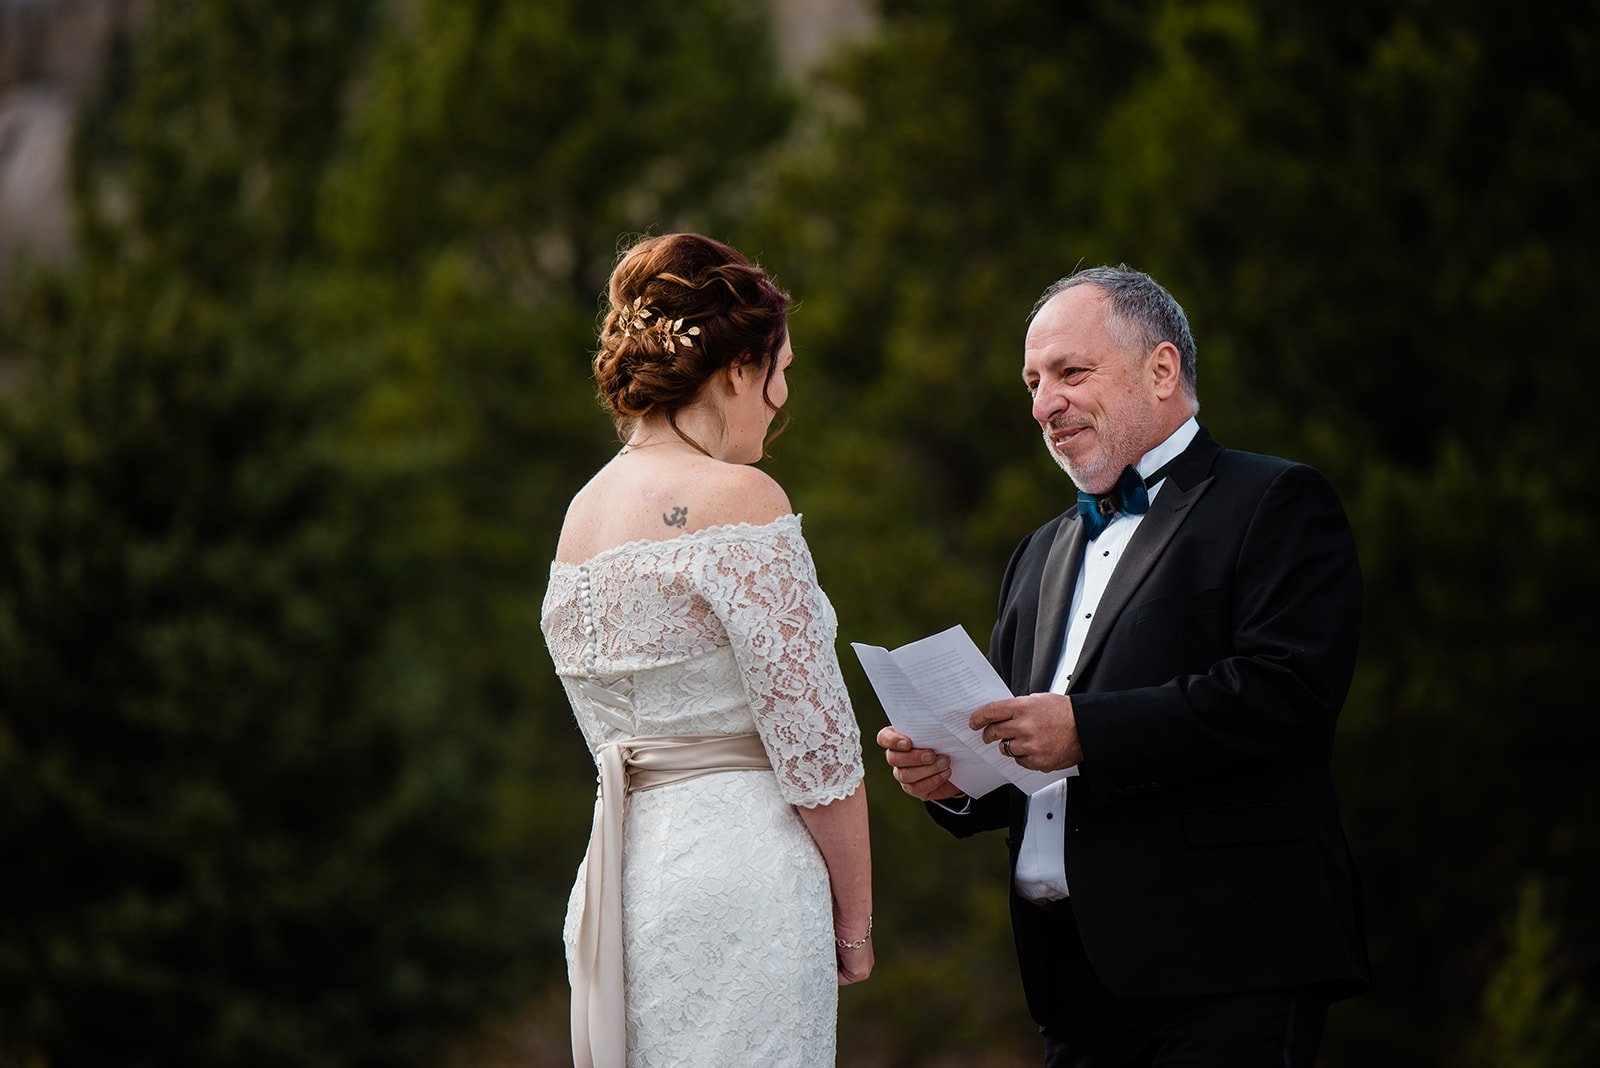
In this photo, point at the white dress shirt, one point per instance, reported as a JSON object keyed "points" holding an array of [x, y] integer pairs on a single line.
{"points": [[1041, 873]]}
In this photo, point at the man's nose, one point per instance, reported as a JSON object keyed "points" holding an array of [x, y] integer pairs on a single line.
{"points": [[1047, 403]]}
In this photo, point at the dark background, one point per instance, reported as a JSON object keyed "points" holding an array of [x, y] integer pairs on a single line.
{"points": [[287, 430]]}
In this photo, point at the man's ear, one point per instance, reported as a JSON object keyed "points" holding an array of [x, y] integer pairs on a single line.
{"points": [[1166, 369]]}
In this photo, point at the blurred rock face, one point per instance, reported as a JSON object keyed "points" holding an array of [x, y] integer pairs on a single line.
{"points": [[51, 56], [808, 30], [35, 141], [52, 53]]}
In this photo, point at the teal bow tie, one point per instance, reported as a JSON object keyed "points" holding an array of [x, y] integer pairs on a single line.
{"points": [[1128, 497]]}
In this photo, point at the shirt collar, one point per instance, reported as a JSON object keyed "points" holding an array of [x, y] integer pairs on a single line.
{"points": [[1167, 450]]}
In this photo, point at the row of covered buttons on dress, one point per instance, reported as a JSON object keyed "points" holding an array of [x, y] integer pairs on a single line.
{"points": [[613, 701]]}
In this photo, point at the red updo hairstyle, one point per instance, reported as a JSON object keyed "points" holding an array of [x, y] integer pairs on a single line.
{"points": [[681, 308]]}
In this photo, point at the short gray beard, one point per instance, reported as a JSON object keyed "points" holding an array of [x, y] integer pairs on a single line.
{"points": [[1134, 424], [1079, 476]]}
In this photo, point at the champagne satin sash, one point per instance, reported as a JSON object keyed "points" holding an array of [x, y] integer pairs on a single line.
{"points": [[599, 1025]]}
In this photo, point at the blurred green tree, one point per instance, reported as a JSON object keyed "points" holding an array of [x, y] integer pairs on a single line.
{"points": [[921, 211], [1381, 213], [501, 153], [288, 467], [292, 781], [1377, 218], [1531, 1018], [246, 825]]}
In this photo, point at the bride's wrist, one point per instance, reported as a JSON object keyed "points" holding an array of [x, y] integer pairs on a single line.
{"points": [[862, 935], [852, 919]]}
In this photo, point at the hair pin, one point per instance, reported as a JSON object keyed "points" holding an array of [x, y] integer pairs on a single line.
{"points": [[635, 321]]}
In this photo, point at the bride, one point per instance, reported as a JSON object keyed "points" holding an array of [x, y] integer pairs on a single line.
{"points": [[726, 893]]}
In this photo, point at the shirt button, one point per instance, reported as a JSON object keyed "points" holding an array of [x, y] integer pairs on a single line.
{"points": [[1049, 815]]}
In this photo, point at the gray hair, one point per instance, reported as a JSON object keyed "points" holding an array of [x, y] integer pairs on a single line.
{"points": [[1140, 313]]}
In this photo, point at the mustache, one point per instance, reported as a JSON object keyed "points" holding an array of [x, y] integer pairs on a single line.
{"points": [[1058, 425]]}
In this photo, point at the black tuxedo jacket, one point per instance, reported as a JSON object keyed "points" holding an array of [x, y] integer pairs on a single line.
{"points": [[1204, 852]]}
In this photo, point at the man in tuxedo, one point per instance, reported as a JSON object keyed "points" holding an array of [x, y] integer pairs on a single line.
{"points": [[1182, 640]]}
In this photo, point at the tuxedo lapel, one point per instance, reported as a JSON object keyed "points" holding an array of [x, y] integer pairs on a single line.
{"points": [[1167, 512], [1065, 559], [1061, 568]]}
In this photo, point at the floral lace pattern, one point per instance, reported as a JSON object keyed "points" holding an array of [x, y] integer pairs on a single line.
{"points": [[727, 921], [720, 631]]}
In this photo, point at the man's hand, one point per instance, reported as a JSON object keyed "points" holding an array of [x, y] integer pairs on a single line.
{"points": [[1039, 729], [922, 773]]}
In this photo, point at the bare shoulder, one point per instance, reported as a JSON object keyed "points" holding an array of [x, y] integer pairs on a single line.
{"points": [[580, 526], [659, 498], [738, 493]]}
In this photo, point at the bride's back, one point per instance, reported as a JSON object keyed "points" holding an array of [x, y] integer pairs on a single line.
{"points": [[660, 492]]}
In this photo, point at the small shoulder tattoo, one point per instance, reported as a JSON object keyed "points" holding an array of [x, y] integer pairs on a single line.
{"points": [[678, 518]]}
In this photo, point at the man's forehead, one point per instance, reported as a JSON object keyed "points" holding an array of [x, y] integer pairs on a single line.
{"points": [[1048, 338], [1082, 312]]}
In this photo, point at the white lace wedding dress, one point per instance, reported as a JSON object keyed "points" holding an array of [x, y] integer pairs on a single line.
{"points": [[727, 921]]}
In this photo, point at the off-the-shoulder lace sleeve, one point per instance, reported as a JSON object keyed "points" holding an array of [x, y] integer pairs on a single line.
{"points": [[781, 627]]}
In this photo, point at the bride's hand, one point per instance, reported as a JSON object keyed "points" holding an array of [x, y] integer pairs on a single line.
{"points": [[854, 964]]}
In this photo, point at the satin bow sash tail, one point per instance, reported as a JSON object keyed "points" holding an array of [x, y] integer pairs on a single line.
{"points": [[599, 1024]]}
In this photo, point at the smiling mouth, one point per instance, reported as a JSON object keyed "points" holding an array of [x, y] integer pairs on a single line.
{"points": [[1060, 436]]}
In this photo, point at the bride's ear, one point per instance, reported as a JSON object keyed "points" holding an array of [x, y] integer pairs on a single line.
{"points": [[741, 378]]}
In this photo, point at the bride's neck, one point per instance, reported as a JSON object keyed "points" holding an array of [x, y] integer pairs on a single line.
{"points": [[701, 427]]}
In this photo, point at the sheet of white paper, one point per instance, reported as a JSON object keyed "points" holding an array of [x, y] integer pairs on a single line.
{"points": [[907, 710], [929, 690]]}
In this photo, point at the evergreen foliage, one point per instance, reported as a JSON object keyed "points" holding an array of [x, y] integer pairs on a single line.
{"points": [[473, 220], [500, 152], [282, 483], [1377, 219], [247, 827], [292, 779], [1531, 1017]]}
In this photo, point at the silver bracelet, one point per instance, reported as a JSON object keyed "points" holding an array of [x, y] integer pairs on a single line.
{"points": [[858, 943]]}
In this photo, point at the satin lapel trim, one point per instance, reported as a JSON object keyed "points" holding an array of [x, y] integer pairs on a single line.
{"points": [[1061, 567], [1167, 513]]}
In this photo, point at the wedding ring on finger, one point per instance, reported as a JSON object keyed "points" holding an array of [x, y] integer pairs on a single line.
{"points": [[1005, 747]]}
